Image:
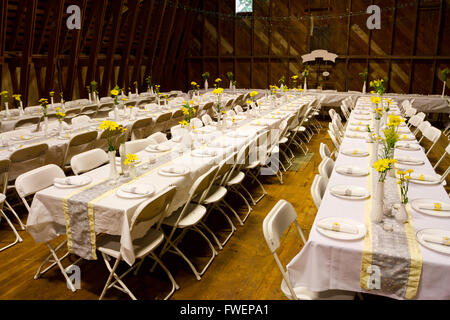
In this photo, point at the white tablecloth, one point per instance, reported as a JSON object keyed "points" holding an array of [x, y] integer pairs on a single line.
{"points": [[111, 212], [325, 263]]}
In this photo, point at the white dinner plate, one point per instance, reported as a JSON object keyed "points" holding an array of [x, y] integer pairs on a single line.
{"points": [[413, 162], [67, 186], [438, 181], [159, 148], [411, 147], [355, 171], [415, 204], [181, 171], [127, 195], [360, 123], [360, 129], [22, 138], [200, 153], [352, 153], [406, 137], [342, 235], [433, 246], [363, 190]]}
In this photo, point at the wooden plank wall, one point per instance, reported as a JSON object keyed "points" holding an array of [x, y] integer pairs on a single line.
{"points": [[409, 50], [120, 42]]}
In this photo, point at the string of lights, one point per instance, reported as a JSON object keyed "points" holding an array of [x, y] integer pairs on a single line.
{"points": [[228, 16]]}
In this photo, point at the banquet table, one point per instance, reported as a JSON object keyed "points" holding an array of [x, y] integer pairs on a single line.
{"points": [[326, 263], [51, 207]]}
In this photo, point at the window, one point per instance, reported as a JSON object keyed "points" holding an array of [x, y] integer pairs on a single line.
{"points": [[244, 6]]}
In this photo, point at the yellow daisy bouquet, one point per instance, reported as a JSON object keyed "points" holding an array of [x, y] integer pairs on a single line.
{"points": [[253, 94], [217, 83], [383, 166], [3, 97], [188, 111], [115, 94], [378, 86], [294, 79], [44, 104], [273, 89], [281, 81], [131, 159], [194, 85], [403, 181], [112, 128], [218, 92], [60, 114]]}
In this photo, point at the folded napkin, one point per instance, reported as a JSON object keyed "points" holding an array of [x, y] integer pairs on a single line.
{"points": [[158, 147], [407, 145], [436, 206], [177, 139], [338, 227], [348, 191], [207, 152], [350, 170], [137, 189], [433, 238], [355, 152], [71, 181], [355, 135], [173, 170], [423, 177], [406, 137], [408, 159]]}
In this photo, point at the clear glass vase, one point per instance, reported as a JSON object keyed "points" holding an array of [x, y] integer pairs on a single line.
{"points": [[376, 215], [112, 167]]}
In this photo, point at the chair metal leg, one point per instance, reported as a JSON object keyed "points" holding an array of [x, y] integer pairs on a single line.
{"points": [[175, 286], [112, 271], [18, 238], [234, 212], [15, 215], [63, 271]]}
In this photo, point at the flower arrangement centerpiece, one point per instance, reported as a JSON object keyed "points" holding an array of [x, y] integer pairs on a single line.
{"points": [[44, 106], [403, 181], [205, 76], [136, 87], [234, 84], [387, 102], [217, 83], [115, 96], [52, 95], [94, 91], [382, 166], [364, 75], [391, 136], [218, 92], [131, 113], [60, 115], [148, 80], [294, 79], [188, 112], [230, 77], [444, 74], [194, 88], [281, 82], [273, 89], [305, 75], [130, 161], [4, 100], [378, 86], [112, 128], [19, 103], [88, 89]]}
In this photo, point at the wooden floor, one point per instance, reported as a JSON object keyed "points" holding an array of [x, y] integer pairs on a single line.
{"points": [[244, 269]]}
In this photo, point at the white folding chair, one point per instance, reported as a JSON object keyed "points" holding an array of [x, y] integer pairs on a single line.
{"points": [[326, 168], [187, 218], [30, 183], [410, 112], [446, 152], [277, 222], [88, 161], [432, 134], [422, 127], [335, 142], [80, 120], [4, 167], [149, 213], [78, 144], [196, 123], [318, 188], [416, 120], [207, 120], [324, 151], [238, 109]]}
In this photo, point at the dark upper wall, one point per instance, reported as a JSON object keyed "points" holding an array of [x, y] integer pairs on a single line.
{"points": [[120, 41], [410, 49]]}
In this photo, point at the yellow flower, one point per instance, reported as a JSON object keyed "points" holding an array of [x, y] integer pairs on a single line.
{"points": [[248, 102], [409, 171], [124, 99], [437, 207], [407, 177], [184, 123], [401, 172], [295, 77], [185, 111], [60, 114], [131, 158], [253, 93], [421, 178], [218, 80], [357, 128], [108, 125], [52, 93], [375, 100], [17, 97], [115, 92], [218, 91], [193, 83], [130, 106]]}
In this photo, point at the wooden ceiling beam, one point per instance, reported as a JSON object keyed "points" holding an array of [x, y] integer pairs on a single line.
{"points": [[124, 80], [53, 47], [3, 20], [20, 11], [75, 53], [147, 14], [163, 53], [154, 42], [25, 65], [45, 23], [117, 6], [96, 42]]}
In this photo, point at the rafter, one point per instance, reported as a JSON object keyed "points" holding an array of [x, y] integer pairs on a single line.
{"points": [[115, 33], [133, 7]]}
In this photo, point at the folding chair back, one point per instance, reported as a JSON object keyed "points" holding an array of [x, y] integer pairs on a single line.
{"points": [[142, 128], [207, 120], [279, 219], [318, 188], [89, 111], [432, 134], [324, 151], [80, 120], [80, 143], [446, 152], [27, 158], [326, 168], [88, 161], [162, 122], [27, 122]]}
